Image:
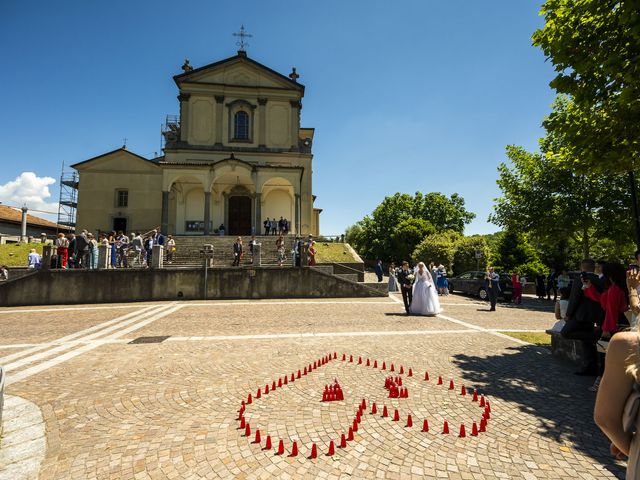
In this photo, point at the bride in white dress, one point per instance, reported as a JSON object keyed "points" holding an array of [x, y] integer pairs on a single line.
{"points": [[425, 296]]}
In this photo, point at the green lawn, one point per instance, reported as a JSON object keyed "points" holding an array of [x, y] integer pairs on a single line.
{"points": [[15, 255], [333, 252], [540, 339]]}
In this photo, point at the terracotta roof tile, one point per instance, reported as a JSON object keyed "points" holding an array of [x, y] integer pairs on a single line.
{"points": [[14, 215]]}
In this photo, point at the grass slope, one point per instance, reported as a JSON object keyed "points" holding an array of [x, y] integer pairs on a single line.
{"points": [[15, 254], [537, 338], [333, 252]]}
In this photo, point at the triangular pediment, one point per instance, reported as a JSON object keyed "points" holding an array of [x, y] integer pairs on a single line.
{"points": [[117, 160], [238, 71]]}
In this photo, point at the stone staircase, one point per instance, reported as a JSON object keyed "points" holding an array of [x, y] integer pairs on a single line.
{"points": [[188, 250]]}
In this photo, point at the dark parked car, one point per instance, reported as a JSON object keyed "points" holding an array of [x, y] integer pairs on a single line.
{"points": [[472, 283]]}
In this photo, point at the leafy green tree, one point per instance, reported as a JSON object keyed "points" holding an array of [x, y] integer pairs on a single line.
{"points": [[407, 234], [594, 46], [554, 204], [464, 258], [515, 253], [373, 236], [438, 248]]}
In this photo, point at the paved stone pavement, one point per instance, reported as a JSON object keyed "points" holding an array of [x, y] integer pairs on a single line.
{"points": [[169, 410]]}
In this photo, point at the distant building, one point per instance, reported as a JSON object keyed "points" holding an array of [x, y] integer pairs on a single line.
{"points": [[11, 224], [236, 155]]}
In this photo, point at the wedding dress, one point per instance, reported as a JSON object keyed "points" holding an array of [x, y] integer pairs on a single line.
{"points": [[425, 296]]}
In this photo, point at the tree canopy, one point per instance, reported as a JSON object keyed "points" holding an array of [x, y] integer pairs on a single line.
{"points": [[401, 221], [554, 204], [594, 46]]}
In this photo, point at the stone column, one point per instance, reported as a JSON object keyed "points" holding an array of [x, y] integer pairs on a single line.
{"points": [[207, 213], [23, 227], [262, 118], [219, 120], [225, 199], [157, 256], [295, 116], [258, 228], [164, 217], [47, 253], [104, 252], [297, 200], [183, 98]]}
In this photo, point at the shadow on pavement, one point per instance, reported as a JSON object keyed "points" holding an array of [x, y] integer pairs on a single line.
{"points": [[546, 389]]}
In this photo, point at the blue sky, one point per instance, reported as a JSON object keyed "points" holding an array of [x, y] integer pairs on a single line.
{"points": [[407, 96]]}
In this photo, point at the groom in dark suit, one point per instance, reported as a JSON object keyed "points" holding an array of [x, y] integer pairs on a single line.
{"points": [[406, 285]]}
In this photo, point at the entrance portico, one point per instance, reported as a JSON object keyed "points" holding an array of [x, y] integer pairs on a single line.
{"points": [[229, 192]]}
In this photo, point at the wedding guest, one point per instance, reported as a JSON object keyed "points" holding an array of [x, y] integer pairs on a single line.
{"points": [[138, 247], [267, 226], [171, 248], [561, 310], [378, 270], [34, 260], [71, 261], [517, 288], [280, 250], [62, 250], [297, 250], [614, 302], [617, 388], [252, 242], [540, 288], [405, 279], [584, 316], [393, 281], [114, 249], [82, 250], [434, 272], [93, 251], [634, 268], [492, 283], [614, 412], [563, 280], [551, 285], [4, 273], [237, 252], [441, 280], [311, 251], [221, 230]]}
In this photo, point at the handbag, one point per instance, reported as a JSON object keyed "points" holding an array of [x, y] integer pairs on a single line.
{"points": [[631, 408]]}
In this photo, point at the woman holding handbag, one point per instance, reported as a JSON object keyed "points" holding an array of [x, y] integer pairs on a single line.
{"points": [[618, 400]]}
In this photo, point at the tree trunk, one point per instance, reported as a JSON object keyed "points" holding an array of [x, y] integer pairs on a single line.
{"points": [[585, 242]]}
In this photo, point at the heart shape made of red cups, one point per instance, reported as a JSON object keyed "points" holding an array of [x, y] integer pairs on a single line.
{"points": [[398, 384]]}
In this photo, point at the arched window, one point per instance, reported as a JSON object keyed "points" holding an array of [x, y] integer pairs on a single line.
{"points": [[241, 126]]}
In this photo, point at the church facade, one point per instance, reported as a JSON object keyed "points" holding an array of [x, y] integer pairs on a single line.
{"points": [[234, 156]]}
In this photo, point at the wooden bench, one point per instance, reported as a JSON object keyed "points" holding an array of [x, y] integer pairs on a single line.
{"points": [[566, 349]]}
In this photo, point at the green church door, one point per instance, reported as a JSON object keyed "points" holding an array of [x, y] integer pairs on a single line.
{"points": [[239, 215]]}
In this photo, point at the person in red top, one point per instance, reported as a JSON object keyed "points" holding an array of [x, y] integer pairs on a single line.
{"points": [[517, 288], [613, 299], [614, 302]]}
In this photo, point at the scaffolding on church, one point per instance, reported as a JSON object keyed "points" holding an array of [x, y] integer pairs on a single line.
{"points": [[68, 202]]}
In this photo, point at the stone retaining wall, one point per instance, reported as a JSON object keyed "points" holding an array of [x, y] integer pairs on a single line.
{"points": [[56, 287]]}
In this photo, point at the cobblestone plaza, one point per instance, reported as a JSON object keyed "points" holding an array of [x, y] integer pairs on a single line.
{"points": [[154, 391]]}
